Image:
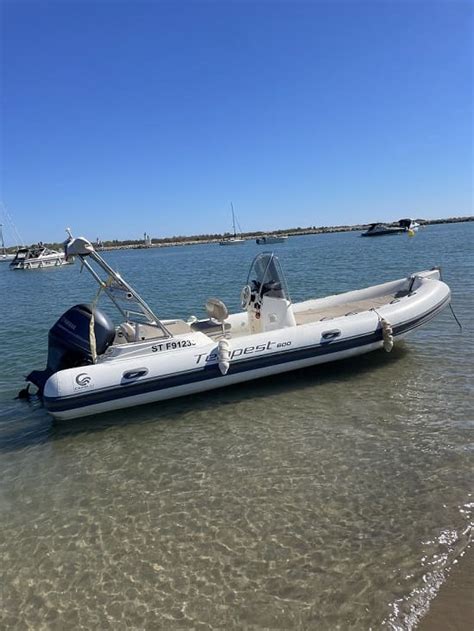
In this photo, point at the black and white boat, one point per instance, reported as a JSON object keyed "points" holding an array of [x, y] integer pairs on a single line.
{"points": [[380, 229], [38, 257]]}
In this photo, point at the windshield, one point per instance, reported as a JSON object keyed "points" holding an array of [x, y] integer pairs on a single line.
{"points": [[266, 276]]}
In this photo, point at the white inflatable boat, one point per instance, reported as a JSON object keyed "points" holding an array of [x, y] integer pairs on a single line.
{"points": [[94, 366]]}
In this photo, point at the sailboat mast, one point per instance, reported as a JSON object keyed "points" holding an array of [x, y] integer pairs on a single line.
{"points": [[233, 219], [1, 239]]}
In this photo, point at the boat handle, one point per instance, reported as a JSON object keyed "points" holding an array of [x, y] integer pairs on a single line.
{"points": [[330, 335], [135, 374]]}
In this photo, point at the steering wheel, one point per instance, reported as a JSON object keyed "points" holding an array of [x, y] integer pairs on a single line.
{"points": [[245, 296]]}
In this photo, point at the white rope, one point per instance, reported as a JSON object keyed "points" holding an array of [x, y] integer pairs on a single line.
{"points": [[92, 340]]}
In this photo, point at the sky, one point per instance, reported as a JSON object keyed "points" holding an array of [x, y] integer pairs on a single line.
{"points": [[124, 117]]}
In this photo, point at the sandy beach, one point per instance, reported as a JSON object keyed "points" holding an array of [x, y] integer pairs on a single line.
{"points": [[453, 607]]}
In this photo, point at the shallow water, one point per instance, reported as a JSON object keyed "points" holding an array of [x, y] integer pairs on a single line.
{"points": [[330, 498]]}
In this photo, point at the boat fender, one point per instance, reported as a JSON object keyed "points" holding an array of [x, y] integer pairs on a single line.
{"points": [[387, 333], [223, 356]]}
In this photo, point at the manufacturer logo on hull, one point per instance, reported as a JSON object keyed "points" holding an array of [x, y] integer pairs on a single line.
{"points": [[82, 380]]}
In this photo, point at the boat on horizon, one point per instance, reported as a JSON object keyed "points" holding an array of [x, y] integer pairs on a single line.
{"points": [[96, 366], [271, 238], [38, 257], [381, 229], [232, 240]]}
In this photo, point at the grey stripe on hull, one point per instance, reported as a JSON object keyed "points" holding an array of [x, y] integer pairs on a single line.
{"points": [[220, 381]]}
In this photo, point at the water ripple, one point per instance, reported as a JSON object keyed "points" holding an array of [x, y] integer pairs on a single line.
{"points": [[331, 498]]}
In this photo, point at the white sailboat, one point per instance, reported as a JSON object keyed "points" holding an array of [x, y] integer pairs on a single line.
{"points": [[234, 240], [3, 251]]}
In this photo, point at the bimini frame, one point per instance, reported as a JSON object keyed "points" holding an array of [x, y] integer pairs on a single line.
{"points": [[128, 302]]}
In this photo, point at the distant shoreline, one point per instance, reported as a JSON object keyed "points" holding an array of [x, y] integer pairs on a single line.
{"points": [[215, 238], [291, 232]]}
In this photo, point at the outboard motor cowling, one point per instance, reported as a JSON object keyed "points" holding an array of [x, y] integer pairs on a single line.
{"points": [[69, 342]]}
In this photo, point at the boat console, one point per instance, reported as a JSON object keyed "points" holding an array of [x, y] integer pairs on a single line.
{"points": [[265, 297]]}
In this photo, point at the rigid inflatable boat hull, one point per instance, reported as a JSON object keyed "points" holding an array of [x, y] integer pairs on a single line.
{"points": [[159, 375]]}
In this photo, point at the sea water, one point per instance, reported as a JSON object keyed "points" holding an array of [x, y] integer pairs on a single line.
{"points": [[337, 497]]}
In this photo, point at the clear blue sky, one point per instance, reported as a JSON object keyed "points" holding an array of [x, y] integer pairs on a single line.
{"points": [[125, 117]]}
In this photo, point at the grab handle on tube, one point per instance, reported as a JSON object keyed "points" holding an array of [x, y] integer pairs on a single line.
{"points": [[330, 335]]}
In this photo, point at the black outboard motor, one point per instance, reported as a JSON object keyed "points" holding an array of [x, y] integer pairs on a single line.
{"points": [[69, 343]]}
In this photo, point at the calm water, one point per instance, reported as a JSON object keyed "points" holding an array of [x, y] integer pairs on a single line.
{"points": [[331, 498]]}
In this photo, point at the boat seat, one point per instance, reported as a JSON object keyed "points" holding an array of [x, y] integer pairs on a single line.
{"points": [[126, 332], [218, 313], [178, 327], [216, 310], [210, 328]]}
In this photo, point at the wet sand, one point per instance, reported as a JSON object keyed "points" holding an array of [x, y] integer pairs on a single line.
{"points": [[453, 608]]}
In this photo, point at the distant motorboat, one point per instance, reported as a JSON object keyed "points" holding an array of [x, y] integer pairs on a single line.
{"points": [[272, 238], [38, 257], [381, 229], [409, 224], [233, 240]]}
